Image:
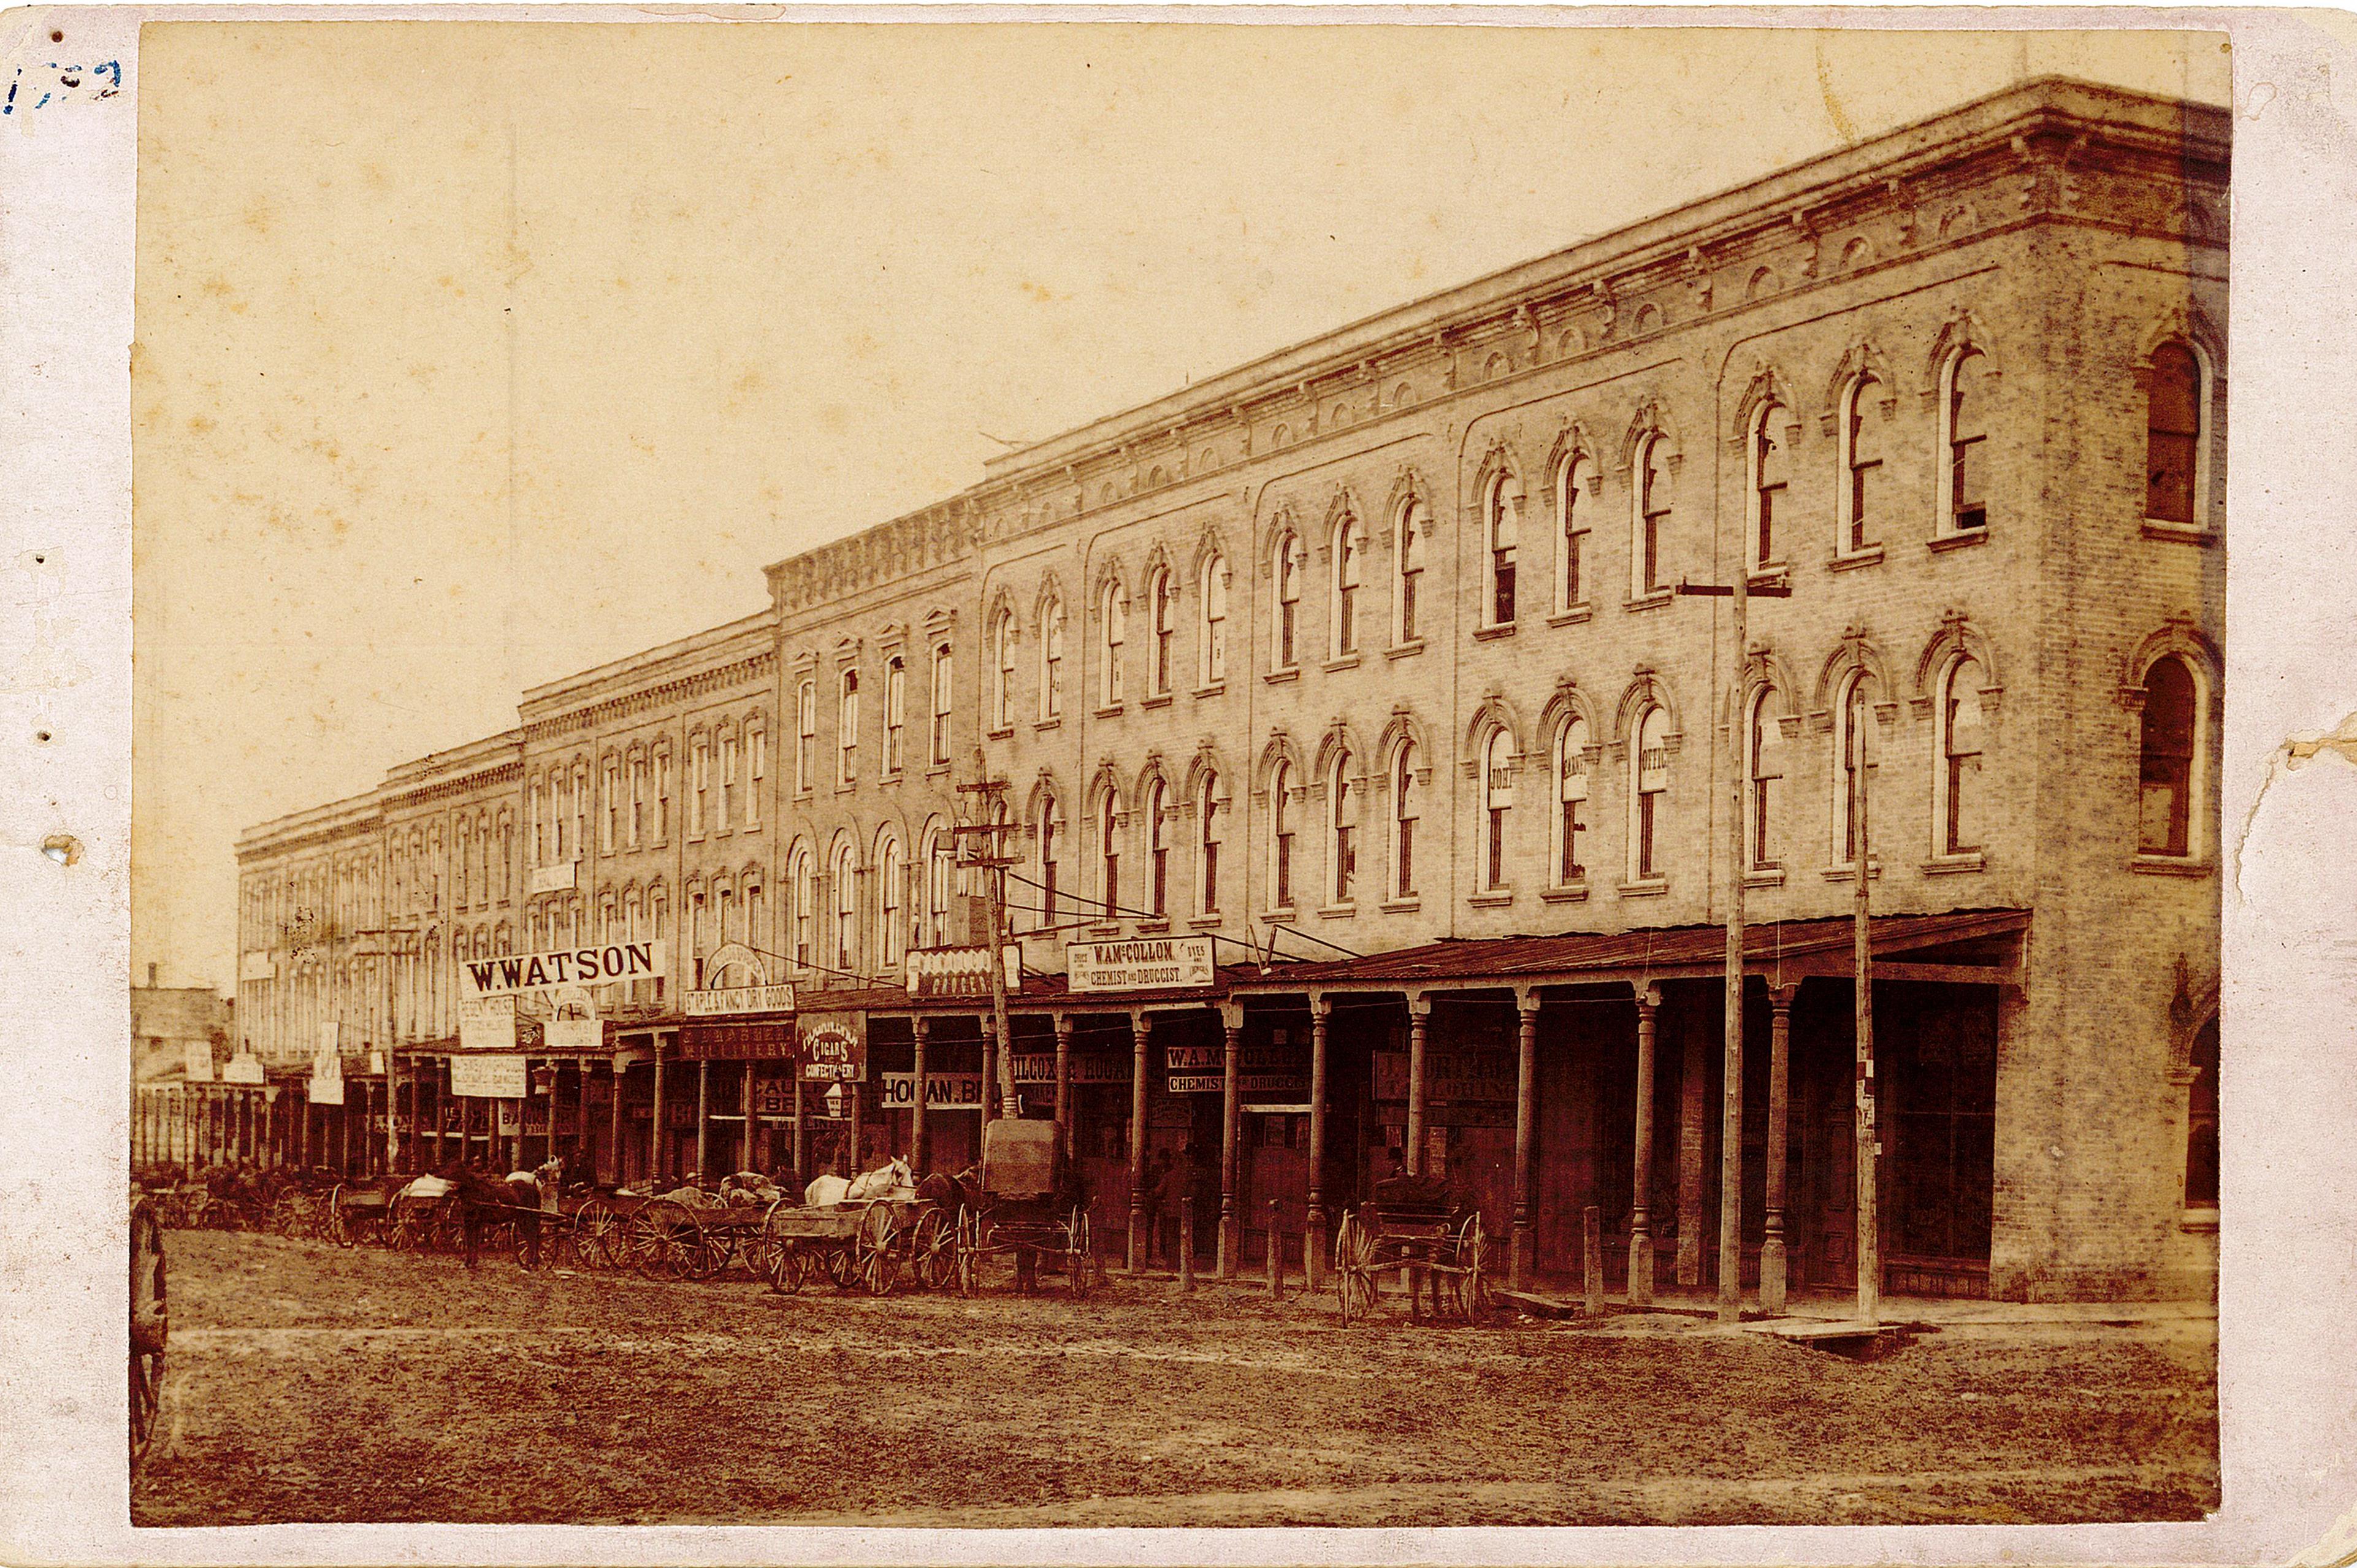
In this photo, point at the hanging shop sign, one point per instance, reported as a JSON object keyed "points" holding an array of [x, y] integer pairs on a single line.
{"points": [[774, 1096], [833, 1046], [519, 973], [197, 1062], [1269, 1067], [943, 1091], [1144, 964], [487, 1023], [960, 970], [1092, 1067], [327, 1086], [772, 1040], [749, 989], [1467, 1078], [577, 1034], [496, 1076], [243, 1067], [511, 1123]]}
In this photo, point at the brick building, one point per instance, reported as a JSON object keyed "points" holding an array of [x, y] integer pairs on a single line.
{"points": [[1366, 660]]}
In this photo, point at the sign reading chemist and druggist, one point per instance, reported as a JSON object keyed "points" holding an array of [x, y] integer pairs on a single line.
{"points": [[1143, 963], [1268, 1069], [518, 973]]}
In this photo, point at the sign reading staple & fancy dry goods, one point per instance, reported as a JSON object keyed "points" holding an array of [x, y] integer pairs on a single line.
{"points": [[833, 1046], [1143, 963]]}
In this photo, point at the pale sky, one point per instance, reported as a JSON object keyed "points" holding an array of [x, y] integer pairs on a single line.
{"points": [[471, 355]]}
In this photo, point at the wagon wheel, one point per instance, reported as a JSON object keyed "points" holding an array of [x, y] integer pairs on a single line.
{"points": [[599, 1228], [646, 1244], [789, 1267], [842, 1265], [150, 1325], [933, 1249], [519, 1243], [970, 1235], [877, 1266], [1354, 1268], [1077, 1253], [702, 1254], [1475, 1293], [340, 1229], [405, 1230]]}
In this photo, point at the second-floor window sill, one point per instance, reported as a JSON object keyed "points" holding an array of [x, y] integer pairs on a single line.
{"points": [[1285, 917], [1644, 887], [1960, 539], [1279, 677], [1850, 560], [1491, 633], [1110, 711], [1211, 689], [1412, 646], [1340, 663], [2200, 1221], [1492, 899], [1848, 870], [1211, 922], [1342, 911], [1155, 927], [1764, 877], [1565, 893], [2179, 532], [1405, 905], [940, 769], [1004, 732], [2169, 865], [1048, 724], [1159, 700], [1650, 599], [1570, 615], [1106, 928], [1950, 865]]}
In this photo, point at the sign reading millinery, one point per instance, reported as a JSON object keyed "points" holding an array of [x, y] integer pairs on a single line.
{"points": [[520, 972], [772, 1040], [494, 1076], [833, 1046], [243, 1067], [327, 1086], [959, 971], [1261, 1069], [1092, 1067], [1479, 1078], [487, 1023], [197, 1062], [1144, 964], [943, 1091]]}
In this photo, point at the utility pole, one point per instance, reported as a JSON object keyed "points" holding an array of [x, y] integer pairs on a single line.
{"points": [[1869, 1244], [1730, 1136], [992, 859]]}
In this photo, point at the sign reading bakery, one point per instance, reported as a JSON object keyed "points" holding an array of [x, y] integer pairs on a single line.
{"points": [[833, 1046], [519, 972]]}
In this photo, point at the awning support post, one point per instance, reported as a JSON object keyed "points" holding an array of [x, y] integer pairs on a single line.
{"points": [[1526, 1043]]}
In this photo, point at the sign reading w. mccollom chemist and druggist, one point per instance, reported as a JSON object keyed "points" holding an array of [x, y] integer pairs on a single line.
{"points": [[517, 974], [1144, 964]]}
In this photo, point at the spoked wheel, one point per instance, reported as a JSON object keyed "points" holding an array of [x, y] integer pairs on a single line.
{"points": [[405, 1231], [933, 1249], [970, 1235], [1077, 1255], [1475, 1293], [879, 1267], [701, 1253], [341, 1229], [647, 1243], [150, 1325], [599, 1226], [790, 1268], [843, 1264], [1354, 1276]]}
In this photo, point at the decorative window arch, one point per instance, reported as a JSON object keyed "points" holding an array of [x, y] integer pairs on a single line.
{"points": [[1862, 500], [943, 694], [896, 711], [1281, 832], [1649, 786], [1211, 805], [1502, 519], [1347, 550], [1497, 797], [843, 881], [1568, 824], [1342, 791], [847, 730], [1289, 564], [1051, 656], [940, 879], [805, 746], [2202, 1118], [756, 731], [727, 746], [1767, 475], [1047, 831], [1113, 634], [1162, 611], [1966, 392], [1414, 527], [1406, 810], [1764, 779], [1002, 672], [2177, 423], [1959, 740], [1856, 748], [1573, 477], [891, 895], [2172, 747], [1212, 632], [800, 887], [1654, 486], [1104, 827], [1154, 796]]}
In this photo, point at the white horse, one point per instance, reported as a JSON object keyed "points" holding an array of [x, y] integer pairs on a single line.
{"points": [[892, 1180]]}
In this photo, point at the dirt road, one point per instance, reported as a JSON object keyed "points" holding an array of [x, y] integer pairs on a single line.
{"points": [[306, 1383]]}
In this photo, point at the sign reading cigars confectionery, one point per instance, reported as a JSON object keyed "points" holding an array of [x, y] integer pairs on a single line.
{"points": [[833, 1046], [1143, 963]]}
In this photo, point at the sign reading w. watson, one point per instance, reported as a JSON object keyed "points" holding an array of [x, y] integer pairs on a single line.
{"points": [[519, 972]]}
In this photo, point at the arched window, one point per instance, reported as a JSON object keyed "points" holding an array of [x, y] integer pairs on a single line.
{"points": [[1214, 598], [2202, 1121], [1052, 659], [1569, 768], [1853, 753], [1162, 599], [846, 729], [1407, 806], [1656, 490], [1961, 732], [940, 749], [1280, 836], [1051, 860], [891, 885], [1285, 631], [580, 808], [2172, 436], [1965, 416], [800, 880], [1208, 807], [1158, 849], [844, 879], [1652, 767], [1349, 546], [2166, 821], [1001, 677], [1414, 524], [535, 832], [1571, 534], [699, 815], [757, 929], [466, 856], [1497, 803], [895, 710], [1501, 522], [757, 766], [1861, 498], [1764, 761], [1108, 826], [1112, 617], [1769, 473], [1342, 829], [941, 875], [805, 741]]}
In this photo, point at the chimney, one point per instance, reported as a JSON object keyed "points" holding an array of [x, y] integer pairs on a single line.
{"points": [[151, 977]]}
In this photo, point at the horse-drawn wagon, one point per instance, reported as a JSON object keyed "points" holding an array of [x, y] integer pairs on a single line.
{"points": [[866, 1233], [1024, 1204], [1414, 1226]]}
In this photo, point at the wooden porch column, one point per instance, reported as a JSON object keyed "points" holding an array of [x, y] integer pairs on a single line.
{"points": [[801, 1128], [922, 1027], [1231, 1020], [703, 1116], [1313, 1229], [1140, 1244], [1771, 1244], [1064, 1083], [1640, 1218], [990, 1048], [1419, 1022], [654, 1122], [748, 1150], [614, 1121], [1693, 1137], [1520, 1257]]}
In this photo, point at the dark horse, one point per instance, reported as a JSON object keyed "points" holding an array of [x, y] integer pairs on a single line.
{"points": [[481, 1202]]}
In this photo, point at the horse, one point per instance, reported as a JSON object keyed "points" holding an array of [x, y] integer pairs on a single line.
{"points": [[519, 1201]]}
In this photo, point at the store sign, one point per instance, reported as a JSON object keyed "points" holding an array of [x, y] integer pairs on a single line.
{"points": [[197, 1062], [943, 1091], [518, 973], [1263, 1068], [959, 971], [772, 1040], [487, 1023], [556, 878], [1147, 963], [833, 1046], [577, 1034], [722, 1001], [774, 1096], [1092, 1067], [243, 1067], [495, 1077], [1472, 1077], [327, 1086]]}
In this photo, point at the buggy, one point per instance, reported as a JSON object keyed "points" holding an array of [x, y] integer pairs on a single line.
{"points": [[1414, 1226]]}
